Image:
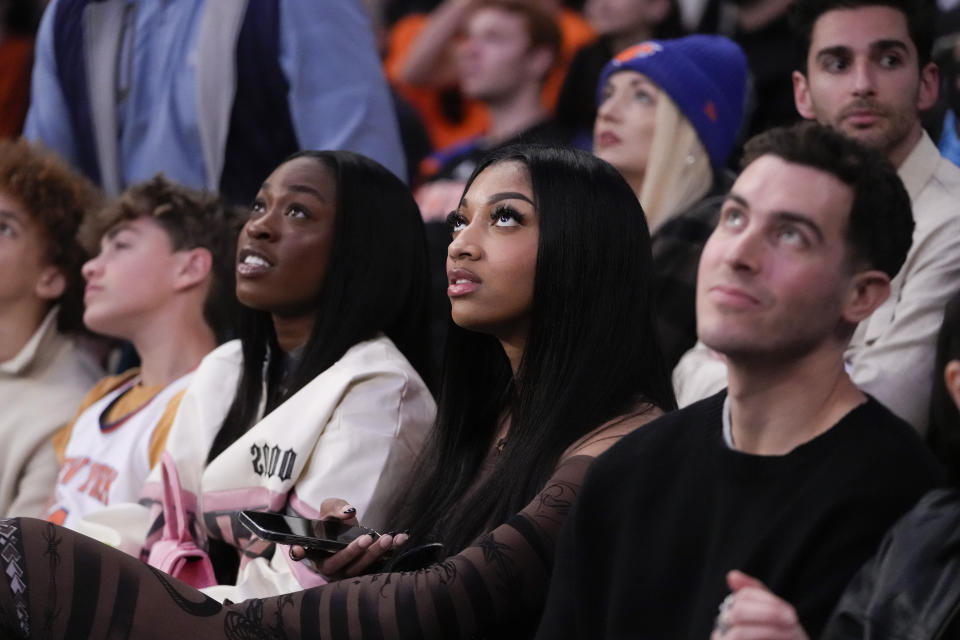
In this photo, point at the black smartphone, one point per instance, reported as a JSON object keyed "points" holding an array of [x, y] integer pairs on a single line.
{"points": [[321, 535]]}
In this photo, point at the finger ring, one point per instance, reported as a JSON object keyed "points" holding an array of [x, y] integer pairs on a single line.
{"points": [[726, 603], [721, 625]]}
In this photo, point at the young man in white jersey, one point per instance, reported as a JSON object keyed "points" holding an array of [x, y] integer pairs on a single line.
{"points": [[163, 280]]}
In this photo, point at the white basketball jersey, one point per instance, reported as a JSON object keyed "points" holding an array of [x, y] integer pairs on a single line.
{"points": [[107, 463]]}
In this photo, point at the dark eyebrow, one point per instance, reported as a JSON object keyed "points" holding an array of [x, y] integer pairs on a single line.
{"points": [[892, 43], [836, 51], [879, 45], [508, 195], [740, 200], [641, 81], [13, 215], [497, 197], [800, 219]]}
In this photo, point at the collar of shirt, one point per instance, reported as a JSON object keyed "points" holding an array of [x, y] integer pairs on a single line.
{"points": [[28, 353], [919, 166]]}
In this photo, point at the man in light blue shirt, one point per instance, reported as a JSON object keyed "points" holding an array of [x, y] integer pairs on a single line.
{"points": [[213, 93]]}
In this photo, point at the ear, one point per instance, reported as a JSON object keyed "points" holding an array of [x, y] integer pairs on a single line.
{"points": [[194, 268], [801, 96], [951, 378], [539, 62], [51, 284], [868, 290], [929, 86]]}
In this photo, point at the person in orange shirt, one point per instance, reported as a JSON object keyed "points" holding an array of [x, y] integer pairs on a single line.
{"points": [[420, 64]]}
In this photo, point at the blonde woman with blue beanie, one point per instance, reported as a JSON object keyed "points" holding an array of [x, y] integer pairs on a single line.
{"points": [[669, 114]]}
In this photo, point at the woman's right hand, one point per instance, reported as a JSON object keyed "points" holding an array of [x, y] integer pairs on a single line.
{"points": [[753, 612], [356, 557]]}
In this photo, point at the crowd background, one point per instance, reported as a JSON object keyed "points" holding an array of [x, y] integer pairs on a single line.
{"points": [[433, 113]]}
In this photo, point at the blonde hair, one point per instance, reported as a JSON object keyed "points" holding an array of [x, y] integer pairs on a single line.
{"points": [[678, 169]]}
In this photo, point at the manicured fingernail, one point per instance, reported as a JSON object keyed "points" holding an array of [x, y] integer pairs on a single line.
{"points": [[350, 510], [292, 555]]}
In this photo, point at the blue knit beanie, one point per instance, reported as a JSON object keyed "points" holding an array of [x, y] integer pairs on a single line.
{"points": [[705, 75]]}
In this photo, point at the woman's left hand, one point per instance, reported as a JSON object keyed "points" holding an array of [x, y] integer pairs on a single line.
{"points": [[352, 560], [355, 558]]}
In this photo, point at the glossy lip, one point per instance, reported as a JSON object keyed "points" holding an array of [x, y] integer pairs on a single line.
{"points": [[251, 271], [607, 139], [455, 289], [732, 296]]}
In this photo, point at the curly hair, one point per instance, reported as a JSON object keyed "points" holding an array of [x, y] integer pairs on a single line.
{"points": [[191, 219], [57, 199]]}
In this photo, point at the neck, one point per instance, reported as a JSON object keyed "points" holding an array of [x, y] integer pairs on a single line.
{"points": [[18, 322], [899, 153], [513, 348], [774, 409], [635, 180], [292, 332], [514, 115], [171, 346]]}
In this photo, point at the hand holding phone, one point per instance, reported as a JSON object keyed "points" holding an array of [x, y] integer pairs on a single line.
{"points": [[328, 537], [325, 536], [387, 554]]}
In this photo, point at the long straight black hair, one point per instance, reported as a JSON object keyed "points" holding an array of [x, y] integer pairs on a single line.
{"points": [[591, 354], [376, 282]]}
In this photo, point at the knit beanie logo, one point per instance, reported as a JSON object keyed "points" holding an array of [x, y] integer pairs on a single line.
{"points": [[642, 50], [710, 110]]}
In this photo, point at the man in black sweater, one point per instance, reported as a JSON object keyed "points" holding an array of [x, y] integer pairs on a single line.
{"points": [[792, 474]]}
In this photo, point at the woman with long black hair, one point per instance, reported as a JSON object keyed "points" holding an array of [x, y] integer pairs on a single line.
{"points": [[321, 393], [553, 358]]}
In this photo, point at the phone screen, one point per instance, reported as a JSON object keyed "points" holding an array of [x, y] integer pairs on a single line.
{"points": [[328, 535]]}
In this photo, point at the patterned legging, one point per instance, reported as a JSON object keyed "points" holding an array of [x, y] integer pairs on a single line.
{"points": [[60, 584]]}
